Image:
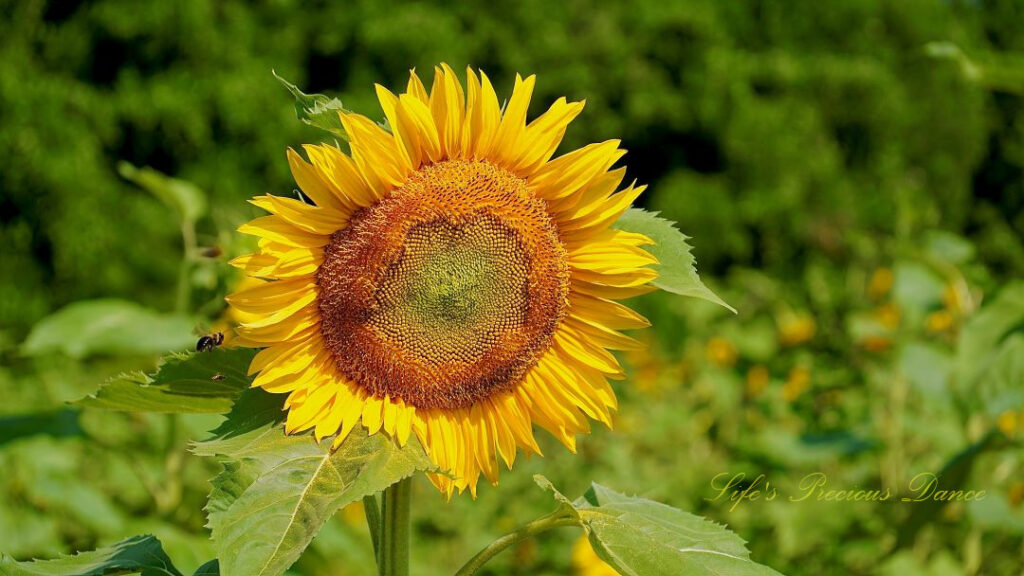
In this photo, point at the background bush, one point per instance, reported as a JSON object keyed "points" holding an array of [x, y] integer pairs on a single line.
{"points": [[842, 167]]}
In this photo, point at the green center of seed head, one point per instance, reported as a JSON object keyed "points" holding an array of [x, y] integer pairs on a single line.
{"points": [[452, 287]]}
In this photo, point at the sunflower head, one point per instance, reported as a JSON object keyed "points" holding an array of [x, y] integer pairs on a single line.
{"points": [[447, 279]]}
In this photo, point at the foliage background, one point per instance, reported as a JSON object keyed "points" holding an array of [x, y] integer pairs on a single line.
{"points": [[852, 174]]}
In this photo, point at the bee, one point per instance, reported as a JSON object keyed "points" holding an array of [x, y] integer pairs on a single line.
{"points": [[217, 377], [210, 341]]}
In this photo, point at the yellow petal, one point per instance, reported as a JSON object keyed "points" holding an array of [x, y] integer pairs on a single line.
{"points": [[486, 117], [416, 88], [304, 320], [373, 413], [313, 184], [562, 180], [587, 353], [407, 143], [513, 121], [342, 172], [447, 107], [403, 424], [271, 295], [375, 153], [612, 314], [277, 229], [543, 136], [418, 126]]}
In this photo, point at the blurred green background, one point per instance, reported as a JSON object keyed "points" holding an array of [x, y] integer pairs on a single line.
{"points": [[851, 172]]}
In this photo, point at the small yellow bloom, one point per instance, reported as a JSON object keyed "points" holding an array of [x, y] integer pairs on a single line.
{"points": [[586, 562], [648, 368], [1015, 493], [939, 321], [888, 315], [757, 380], [721, 352], [796, 328], [955, 300], [1008, 422], [880, 283], [797, 383]]}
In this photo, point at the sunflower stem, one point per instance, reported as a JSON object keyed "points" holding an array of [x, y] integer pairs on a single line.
{"points": [[554, 520], [393, 543], [371, 507]]}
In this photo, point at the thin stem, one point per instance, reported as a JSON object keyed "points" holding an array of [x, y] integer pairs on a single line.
{"points": [[393, 551], [554, 520], [174, 461], [371, 507], [189, 247]]}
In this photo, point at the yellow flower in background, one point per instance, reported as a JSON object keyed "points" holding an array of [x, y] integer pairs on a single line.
{"points": [[452, 281], [957, 299], [888, 315], [939, 321], [586, 562], [721, 352], [796, 328], [757, 380], [798, 381], [886, 318], [880, 283], [652, 374], [1015, 493], [875, 343], [1008, 422]]}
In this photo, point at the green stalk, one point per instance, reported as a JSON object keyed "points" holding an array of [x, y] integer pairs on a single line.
{"points": [[555, 520], [371, 507], [393, 543], [189, 246]]}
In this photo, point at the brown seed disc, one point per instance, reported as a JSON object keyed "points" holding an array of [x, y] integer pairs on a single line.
{"points": [[447, 290]]}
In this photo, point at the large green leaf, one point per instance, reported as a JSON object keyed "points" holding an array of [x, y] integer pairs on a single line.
{"points": [[201, 382], [276, 491], [317, 110], [112, 327], [185, 198], [677, 272], [138, 555], [639, 537]]}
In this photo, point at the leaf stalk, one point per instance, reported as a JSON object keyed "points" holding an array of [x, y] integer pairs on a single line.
{"points": [[556, 519]]}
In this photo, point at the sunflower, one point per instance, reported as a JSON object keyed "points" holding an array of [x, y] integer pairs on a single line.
{"points": [[447, 279]]}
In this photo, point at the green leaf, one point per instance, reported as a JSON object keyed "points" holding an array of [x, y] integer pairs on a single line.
{"points": [[56, 423], [677, 272], [114, 327], [211, 568], [185, 198], [276, 491], [201, 382], [1002, 388], [639, 537], [984, 333], [952, 476], [317, 110], [137, 555]]}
